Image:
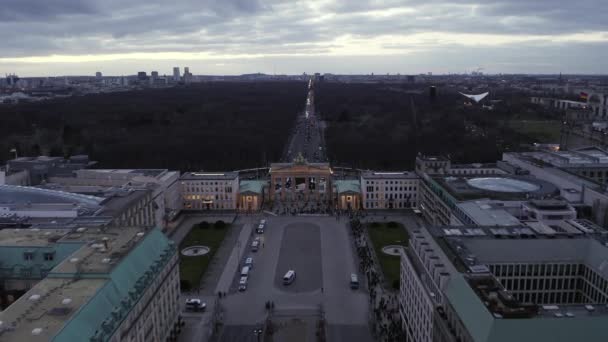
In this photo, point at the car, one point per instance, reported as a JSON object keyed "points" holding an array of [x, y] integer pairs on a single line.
{"points": [[354, 281], [243, 284], [249, 262], [260, 229], [289, 277], [255, 245], [195, 304]]}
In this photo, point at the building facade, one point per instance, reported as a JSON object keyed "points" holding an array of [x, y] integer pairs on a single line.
{"points": [[210, 191], [389, 190]]}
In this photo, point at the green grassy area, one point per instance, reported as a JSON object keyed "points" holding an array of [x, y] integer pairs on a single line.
{"points": [[545, 131], [192, 268], [384, 234]]}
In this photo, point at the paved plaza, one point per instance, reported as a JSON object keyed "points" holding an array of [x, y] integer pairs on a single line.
{"points": [[320, 250]]}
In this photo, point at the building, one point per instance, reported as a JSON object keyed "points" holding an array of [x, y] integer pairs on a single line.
{"points": [[252, 194], [389, 190], [41, 168], [90, 284], [117, 207], [176, 76], [348, 194], [300, 180], [478, 195], [487, 284], [210, 191], [98, 76], [163, 183]]}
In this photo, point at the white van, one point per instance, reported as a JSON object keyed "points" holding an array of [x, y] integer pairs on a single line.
{"points": [[289, 277], [245, 271], [243, 284]]}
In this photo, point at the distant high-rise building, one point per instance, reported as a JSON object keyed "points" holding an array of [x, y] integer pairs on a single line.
{"points": [[142, 76], [187, 75], [98, 75], [176, 74], [154, 75]]}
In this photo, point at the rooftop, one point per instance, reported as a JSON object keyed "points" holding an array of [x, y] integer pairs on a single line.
{"points": [[348, 186], [99, 282], [209, 175], [252, 186], [15, 195], [500, 187], [388, 175]]}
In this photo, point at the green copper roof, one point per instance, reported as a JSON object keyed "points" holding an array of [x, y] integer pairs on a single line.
{"points": [[343, 186], [104, 312], [252, 186]]}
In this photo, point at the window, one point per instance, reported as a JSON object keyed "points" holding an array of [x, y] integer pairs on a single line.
{"points": [[49, 256], [28, 256]]}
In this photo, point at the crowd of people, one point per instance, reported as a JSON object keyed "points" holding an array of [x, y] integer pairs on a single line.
{"points": [[385, 317]]}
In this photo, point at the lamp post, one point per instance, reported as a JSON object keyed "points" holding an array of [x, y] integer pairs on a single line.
{"points": [[257, 332]]}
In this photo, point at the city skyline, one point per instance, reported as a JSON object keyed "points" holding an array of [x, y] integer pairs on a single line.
{"points": [[235, 37]]}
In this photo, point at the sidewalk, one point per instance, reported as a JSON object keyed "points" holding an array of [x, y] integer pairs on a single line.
{"points": [[231, 266]]}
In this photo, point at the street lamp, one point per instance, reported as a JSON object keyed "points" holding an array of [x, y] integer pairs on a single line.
{"points": [[258, 332]]}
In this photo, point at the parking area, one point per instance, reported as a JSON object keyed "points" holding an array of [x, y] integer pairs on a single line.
{"points": [[320, 250]]}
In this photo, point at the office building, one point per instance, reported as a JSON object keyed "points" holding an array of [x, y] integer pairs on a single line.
{"points": [[389, 190], [176, 77], [163, 184], [39, 169], [487, 284], [210, 190], [89, 284]]}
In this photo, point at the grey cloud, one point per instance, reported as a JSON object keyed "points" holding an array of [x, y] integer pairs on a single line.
{"points": [[43, 27]]}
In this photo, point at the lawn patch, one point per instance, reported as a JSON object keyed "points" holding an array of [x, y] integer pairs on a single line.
{"points": [[383, 234], [192, 268]]}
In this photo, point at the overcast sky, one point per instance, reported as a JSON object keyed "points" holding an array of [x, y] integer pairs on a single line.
{"points": [[116, 37]]}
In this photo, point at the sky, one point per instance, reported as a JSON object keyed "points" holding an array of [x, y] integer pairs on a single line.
{"points": [[118, 37]]}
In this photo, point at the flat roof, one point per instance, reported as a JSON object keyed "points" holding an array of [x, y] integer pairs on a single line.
{"points": [[389, 175], [209, 175], [485, 214], [87, 286]]}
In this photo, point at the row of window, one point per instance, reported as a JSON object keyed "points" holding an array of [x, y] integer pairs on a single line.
{"points": [[220, 197], [208, 190], [370, 188], [408, 182], [47, 256], [386, 205], [390, 196]]}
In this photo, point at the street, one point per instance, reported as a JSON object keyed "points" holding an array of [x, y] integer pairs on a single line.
{"points": [[307, 135]]}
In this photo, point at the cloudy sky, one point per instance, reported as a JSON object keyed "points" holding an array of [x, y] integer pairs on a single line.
{"points": [[72, 37]]}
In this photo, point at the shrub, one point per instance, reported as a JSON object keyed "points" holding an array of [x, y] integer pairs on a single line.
{"points": [[392, 224], [185, 285], [375, 224], [219, 224], [203, 225]]}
